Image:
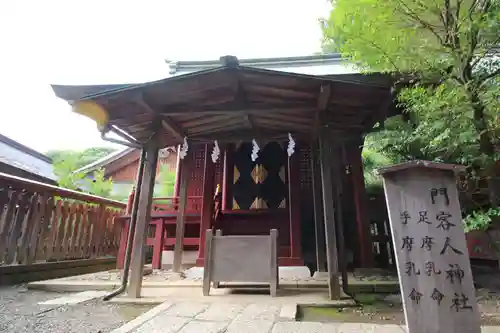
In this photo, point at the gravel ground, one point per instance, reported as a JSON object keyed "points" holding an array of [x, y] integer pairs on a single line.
{"points": [[115, 275], [20, 312]]}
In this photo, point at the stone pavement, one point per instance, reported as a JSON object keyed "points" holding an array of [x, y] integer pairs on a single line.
{"points": [[188, 317], [193, 317]]}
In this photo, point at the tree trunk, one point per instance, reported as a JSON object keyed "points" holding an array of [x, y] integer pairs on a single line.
{"points": [[486, 147]]}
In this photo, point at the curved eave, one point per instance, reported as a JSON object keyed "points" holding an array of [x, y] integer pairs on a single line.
{"points": [[231, 102]]}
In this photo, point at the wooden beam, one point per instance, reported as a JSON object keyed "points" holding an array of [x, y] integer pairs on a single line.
{"points": [[181, 213], [248, 122], [338, 173], [217, 128], [354, 150], [324, 97], [294, 204], [228, 175], [166, 122], [250, 108], [329, 214], [268, 89], [244, 136], [283, 126], [143, 218], [318, 208], [237, 121], [207, 204], [178, 172], [171, 127], [286, 117], [210, 119]]}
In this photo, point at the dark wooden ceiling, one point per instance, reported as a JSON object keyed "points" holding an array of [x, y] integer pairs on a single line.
{"points": [[233, 103]]}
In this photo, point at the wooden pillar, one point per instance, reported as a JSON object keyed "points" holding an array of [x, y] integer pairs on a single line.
{"points": [[338, 170], [361, 203], [143, 218], [228, 177], [319, 225], [294, 204], [181, 212], [329, 216], [207, 203], [178, 173]]}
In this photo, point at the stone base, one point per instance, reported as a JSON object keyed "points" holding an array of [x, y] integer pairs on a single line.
{"points": [[285, 272], [320, 276], [188, 259]]}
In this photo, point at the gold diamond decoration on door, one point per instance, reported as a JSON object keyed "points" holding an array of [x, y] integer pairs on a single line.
{"points": [[236, 175], [282, 203], [259, 174], [258, 203], [235, 204], [282, 174]]}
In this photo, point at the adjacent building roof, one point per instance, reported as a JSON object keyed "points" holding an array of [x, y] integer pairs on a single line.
{"points": [[102, 162], [117, 160], [14, 155], [321, 64]]}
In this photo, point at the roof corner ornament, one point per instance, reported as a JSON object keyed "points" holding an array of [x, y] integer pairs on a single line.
{"points": [[255, 150], [291, 145], [184, 149], [215, 152]]}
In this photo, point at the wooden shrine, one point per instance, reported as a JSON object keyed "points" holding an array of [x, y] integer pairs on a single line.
{"points": [[284, 149]]}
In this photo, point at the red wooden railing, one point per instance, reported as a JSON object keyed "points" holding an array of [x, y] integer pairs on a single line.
{"points": [[164, 212], [40, 222], [171, 204]]}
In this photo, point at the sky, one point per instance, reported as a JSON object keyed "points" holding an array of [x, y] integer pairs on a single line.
{"points": [[125, 41]]}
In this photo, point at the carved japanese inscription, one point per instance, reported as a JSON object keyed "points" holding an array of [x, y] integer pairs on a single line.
{"points": [[431, 252]]}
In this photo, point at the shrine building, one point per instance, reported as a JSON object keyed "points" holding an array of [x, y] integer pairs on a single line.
{"points": [[262, 144]]}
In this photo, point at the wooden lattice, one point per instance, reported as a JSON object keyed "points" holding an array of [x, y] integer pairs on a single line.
{"points": [[304, 151]]}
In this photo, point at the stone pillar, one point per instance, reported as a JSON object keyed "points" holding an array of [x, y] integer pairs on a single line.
{"points": [[431, 252]]}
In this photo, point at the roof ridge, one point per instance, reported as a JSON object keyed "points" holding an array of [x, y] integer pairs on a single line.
{"points": [[24, 149], [104, 160]]}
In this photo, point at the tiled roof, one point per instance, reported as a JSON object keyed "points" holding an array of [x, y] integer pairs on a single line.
{"points": [[19, 156]]}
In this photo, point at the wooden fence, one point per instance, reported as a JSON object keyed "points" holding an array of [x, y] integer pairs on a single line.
{"points": [[44, 223]]}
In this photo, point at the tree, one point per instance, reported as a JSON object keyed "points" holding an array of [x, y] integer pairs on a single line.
{"points": [[97, 184], [82, 158], [446, 56], [64, 172], [373, 160]]}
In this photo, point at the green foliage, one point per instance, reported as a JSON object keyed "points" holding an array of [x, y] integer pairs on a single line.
{"points": [[480, 220], [64, 171], [98, 184], [445, 57], [373, 160], [83, 158], [166, 181], [67, 178]]}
